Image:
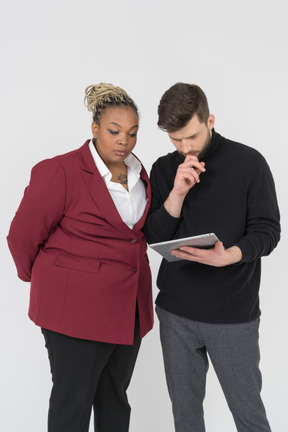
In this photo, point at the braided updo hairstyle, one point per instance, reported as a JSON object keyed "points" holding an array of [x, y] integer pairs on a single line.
{"points": [[101, 96]]}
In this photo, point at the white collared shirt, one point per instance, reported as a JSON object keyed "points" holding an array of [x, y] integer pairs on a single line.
{"points": [[130, 205]]}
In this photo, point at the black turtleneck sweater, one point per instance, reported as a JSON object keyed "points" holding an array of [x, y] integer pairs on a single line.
{"points": [[236, 199]]}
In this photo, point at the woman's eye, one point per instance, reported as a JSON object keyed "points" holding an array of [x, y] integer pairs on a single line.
{"points": [[132, 135], [113, 132]]}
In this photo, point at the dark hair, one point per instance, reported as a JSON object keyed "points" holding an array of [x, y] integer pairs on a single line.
{"points": [[179, 104], [102, 96]]}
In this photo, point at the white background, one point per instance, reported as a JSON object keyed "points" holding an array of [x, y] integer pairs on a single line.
{"points": [[50, 51]]}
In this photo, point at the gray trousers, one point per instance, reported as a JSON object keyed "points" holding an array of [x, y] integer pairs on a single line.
{"points": [[234, 353]]}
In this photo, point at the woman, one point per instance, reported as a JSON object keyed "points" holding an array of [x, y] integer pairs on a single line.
{"points": [[77, 236]]}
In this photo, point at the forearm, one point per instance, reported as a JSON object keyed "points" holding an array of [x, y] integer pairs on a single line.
{"points": [[23, 261], [160, 225], [41, 208], [174, 203], [263, 218], [233, 255], [255, 245], [165, 213]]}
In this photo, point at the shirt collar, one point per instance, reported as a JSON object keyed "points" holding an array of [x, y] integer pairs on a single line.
{"points": [[131, 161], [102, 168]]}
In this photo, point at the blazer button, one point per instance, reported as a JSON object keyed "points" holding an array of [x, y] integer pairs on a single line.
{"points": [[133, 241], [134, 270]]}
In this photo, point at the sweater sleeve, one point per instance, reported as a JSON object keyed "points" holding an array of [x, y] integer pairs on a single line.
{"points": [[41, 208], [263, 217], [160, 225]]}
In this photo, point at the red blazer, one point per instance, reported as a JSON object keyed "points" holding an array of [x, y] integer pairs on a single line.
{"points": [[86, 266]]}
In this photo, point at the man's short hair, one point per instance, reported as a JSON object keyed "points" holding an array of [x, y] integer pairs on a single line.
{"points": [[179, 104]]}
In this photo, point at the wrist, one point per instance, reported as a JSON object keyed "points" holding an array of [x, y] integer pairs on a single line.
{"points": [[174, 203], [234, 255]]}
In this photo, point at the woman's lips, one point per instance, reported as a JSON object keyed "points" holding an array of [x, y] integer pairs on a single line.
{"points": [[120, 152]]}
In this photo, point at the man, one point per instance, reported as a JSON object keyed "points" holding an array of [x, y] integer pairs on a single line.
{"points": [[208, 301]]}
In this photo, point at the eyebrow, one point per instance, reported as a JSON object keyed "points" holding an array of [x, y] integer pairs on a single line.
{"points": [[116, 124], [179, 139], [194, 135]]}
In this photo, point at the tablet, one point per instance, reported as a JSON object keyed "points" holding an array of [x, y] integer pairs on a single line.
{"points": [[203, 241]]}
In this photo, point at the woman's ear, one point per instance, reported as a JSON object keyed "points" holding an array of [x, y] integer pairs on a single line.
{"points": [[94, 128]]}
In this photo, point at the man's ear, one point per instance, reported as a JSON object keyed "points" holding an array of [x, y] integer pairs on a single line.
{"points": [[211, 121]]}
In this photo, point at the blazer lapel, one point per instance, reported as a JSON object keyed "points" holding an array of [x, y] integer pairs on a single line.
{"points": [[98, 190], [141, 222]]}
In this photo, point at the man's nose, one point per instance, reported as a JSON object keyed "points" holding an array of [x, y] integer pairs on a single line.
{"points": [[185, 147]]}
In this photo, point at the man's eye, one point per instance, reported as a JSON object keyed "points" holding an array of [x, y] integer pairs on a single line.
{"points": [[133, 135]]}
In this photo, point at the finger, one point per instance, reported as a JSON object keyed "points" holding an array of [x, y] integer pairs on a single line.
{"points": [[199, 171], [194, 164], [219, 246], [188, 172], [192, 177], [191, 157], [196, 252], [183, 255]]}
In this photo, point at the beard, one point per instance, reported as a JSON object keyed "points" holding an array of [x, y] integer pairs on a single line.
{"points": [[206, 146], [204, 149]]}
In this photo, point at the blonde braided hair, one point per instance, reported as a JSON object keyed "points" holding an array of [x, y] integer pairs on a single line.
{"points": [[101, 96]]}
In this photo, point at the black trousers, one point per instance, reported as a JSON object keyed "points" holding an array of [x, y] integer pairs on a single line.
{"points": [[88, 374]]}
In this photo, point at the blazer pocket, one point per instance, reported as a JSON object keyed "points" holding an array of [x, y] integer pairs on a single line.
{"points": [[74, 262]]}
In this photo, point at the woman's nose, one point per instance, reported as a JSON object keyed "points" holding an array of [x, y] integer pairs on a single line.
{"points": [[122, 139]]}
